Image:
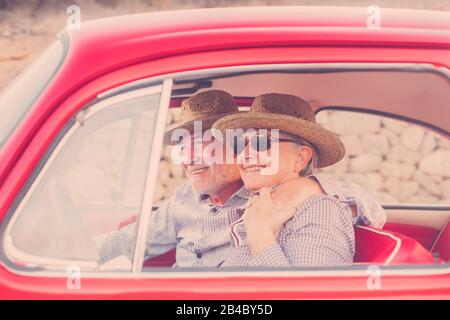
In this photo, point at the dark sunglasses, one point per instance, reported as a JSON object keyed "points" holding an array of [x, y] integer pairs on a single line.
{"points": [[257, 143]]}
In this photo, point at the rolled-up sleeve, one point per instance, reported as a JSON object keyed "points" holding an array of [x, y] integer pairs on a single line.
{"points": [[160, 237]]}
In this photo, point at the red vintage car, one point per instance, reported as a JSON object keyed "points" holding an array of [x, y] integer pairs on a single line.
{"points": [[81, 141]]}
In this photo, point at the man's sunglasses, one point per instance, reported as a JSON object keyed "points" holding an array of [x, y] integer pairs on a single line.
{"points": [[257, 143]]}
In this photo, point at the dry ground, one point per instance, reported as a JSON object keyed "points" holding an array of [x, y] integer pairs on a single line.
{"points": [[27, 27]]}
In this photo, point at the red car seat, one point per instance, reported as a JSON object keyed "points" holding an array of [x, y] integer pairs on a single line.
{"points": [[387, 248], [442, 244]]}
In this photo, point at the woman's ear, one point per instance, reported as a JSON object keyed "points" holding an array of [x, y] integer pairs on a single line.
{"points": [[304, 155]]}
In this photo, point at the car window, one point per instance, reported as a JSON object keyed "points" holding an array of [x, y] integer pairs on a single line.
{"points": [[93, 180], [16, 99], [396, 161]]}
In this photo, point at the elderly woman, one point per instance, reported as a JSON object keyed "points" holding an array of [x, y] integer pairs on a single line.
{"points": [[290, 220]]}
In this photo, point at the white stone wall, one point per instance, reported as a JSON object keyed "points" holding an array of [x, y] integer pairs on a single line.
{"points": [[395, 161]]}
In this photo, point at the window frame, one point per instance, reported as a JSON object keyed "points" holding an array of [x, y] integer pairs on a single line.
{"points": [[170, 273], [9, 250]]}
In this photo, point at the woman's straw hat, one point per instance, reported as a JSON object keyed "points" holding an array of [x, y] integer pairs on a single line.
{"points": [[290, 114]]}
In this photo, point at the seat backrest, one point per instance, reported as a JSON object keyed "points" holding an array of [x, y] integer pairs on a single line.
{"points": [[387, 248], [442, 244], [167, 259]]}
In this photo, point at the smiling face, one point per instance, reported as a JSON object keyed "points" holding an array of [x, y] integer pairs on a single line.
{"points": [[205, 176], [286, 155]]}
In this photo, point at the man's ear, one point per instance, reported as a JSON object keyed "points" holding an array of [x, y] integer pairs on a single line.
{"points": [[304, 155]]}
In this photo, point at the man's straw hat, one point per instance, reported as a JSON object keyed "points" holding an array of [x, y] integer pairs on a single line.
{"points": [[207, 107]]}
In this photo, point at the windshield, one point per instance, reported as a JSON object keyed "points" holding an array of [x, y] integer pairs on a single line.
{"points": [[17, 98]]}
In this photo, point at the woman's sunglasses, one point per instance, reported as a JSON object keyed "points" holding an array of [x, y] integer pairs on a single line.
{"points": [[257, 143]]}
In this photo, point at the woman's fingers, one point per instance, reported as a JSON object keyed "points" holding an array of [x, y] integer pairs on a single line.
{"points": [[266, 195]]}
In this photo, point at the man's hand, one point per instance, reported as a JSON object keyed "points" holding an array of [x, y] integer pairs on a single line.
{"points": [[263, 221]]}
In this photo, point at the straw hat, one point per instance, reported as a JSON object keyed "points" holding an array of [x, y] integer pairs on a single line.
{"points": [[290, 114], [208, 107]]}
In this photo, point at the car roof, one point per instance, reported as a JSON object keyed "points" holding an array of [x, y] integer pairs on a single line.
{"points": [[260, 17], [159, 34]]}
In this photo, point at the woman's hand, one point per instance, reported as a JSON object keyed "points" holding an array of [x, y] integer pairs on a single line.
{"points": [[263, 221]]}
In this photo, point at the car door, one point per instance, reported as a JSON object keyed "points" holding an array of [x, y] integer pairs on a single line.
{"points": [[18, 280], [92, 177]]}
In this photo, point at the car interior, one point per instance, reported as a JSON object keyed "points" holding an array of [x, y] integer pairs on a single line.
{"points": [[414, 233], [362, 103]]}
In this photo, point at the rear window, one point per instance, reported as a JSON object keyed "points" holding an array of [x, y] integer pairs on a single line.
{"points": [[18, 98]]}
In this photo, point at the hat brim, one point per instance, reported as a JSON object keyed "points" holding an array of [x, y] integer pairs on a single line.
{"points": [[329, 147], [170, 139]]}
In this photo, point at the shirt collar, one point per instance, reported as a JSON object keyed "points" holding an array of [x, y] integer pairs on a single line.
{"points": [[242, 193], [330, 188]]}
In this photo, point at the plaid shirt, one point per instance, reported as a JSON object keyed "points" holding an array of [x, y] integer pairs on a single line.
{"points": [[320, 234], [200, 230]]}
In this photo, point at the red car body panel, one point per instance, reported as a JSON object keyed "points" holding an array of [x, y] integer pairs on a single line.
{"points": [[111, 52]]}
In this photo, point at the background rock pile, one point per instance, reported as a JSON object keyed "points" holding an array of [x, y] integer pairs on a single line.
{"points": [[395, 161]]}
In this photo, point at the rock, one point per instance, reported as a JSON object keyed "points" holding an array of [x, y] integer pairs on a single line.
{"points": [[397, 170], [412, 137], [175, 114], [443, 143], [353, 123], [427, 183], [167, 153], [402, 154], [421, 199], [422, 192], [177, 171], [392, 137], [338, 168], [438, 163], [393, 124], [358, 178], [160, 192], [384, 197], [163, 173], [172, 184], [374, 181], [445, 189], [169, 118], [353, 145], [428, 144], [365, 163], [436, 178], [401, 189], [375, 143]]}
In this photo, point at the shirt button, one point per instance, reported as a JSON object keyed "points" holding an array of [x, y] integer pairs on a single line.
{"points": [[199, 255]]}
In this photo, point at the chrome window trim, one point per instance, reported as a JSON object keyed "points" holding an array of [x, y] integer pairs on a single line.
{"points": [[152, 173], [291, 67], [356, 270], [11, 251]]}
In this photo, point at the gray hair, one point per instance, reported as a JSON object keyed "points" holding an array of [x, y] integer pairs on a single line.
{"points": [[312, 164]]}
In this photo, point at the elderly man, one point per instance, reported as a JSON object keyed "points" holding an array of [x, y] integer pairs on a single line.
{"points": [[196, 219]]}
